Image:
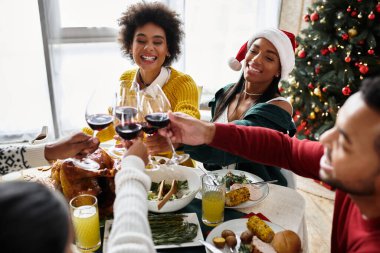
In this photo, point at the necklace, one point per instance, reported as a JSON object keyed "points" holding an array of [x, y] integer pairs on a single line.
{"points": [[252, 94], [142, 80]]}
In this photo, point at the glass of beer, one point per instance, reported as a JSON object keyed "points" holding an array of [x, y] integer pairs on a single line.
{"points": [[85, 217], [213, 197]]}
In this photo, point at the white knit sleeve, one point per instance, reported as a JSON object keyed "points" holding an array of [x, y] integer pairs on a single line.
{"points": [[14, 158], [130, 230]]}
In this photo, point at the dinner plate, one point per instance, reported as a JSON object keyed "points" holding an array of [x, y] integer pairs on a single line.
{"points": [[263, 188], [238, 226], [191, 217]]}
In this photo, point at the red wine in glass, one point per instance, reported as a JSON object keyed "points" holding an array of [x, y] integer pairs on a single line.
{"points": [[98, 122], [148, 129], [158, 119], [128, 131]]}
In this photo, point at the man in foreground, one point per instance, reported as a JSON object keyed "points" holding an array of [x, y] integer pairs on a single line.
{"points": [[347, 157]]}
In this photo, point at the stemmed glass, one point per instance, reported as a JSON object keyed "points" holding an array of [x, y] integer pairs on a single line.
{"points": [[126, 115], [98, 117], [159, 118]]}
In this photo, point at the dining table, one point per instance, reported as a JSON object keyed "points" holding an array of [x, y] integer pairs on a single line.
{"points": [[283, 206]]}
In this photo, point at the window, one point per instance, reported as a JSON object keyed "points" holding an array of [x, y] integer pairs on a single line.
{"points": [[82, 52]]}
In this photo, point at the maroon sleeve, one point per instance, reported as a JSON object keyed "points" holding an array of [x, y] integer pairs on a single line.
{"points": [[270, 147]]}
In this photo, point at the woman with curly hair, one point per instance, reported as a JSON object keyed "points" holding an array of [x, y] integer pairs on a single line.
{"points": [[151, 36]]}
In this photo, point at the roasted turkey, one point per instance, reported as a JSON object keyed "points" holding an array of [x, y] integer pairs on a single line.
{"points": [[73, 181]]}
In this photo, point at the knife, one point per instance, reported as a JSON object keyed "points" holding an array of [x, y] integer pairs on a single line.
{"points": [[210, 247]]}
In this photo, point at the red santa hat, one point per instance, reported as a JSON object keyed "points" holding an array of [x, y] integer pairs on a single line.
{"points": [[283, 41]]}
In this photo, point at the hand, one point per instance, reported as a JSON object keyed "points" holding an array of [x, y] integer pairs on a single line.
{"points": [[121, 143], [157, 144], [188, 130], [138, 149], [78, 145]]}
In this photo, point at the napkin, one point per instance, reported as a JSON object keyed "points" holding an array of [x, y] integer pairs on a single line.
{"points": [[260, 215]]}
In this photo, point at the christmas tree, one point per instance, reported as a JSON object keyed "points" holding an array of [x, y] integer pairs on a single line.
{"points": [[335, 52]]}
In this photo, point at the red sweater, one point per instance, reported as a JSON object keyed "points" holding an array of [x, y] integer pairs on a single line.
{"points": [[350, 232]]}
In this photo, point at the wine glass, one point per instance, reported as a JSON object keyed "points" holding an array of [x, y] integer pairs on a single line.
{"points": [[147, 104], [98, 117], [159, 118], [126, 115]]}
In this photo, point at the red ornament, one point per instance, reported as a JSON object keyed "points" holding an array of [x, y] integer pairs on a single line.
{"points": [[371, 51], [314, 16], [317, 70], [345, 36], [347, 59], [324, 51], [357, 64], [361, 42], [324, 89], [332, 49], [359, 1], [302, 54], [310, 86], [346, 90], [354, 13], [363, 69], [378, 8], [371, 16], [306, 18], [349, 9]]}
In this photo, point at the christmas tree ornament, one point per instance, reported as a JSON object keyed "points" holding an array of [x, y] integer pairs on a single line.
{"points": [[378, 8], [317, 92], [348, 9], [324, 89], [317, 69], [309, 63], [359, 1], [347, 59], [346, 90], [371, 16], [360, 15], [310, 86], [312, 115], [361, 42], [314, 16], [324, 51], [354, 13], [363, 69], [352, 32], [345, 36], [332, 48], [302, 54], [306, 18], [371, 51]]}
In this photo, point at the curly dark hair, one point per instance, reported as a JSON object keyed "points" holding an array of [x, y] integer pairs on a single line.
{"points": [[137, 15], [370, 90]]}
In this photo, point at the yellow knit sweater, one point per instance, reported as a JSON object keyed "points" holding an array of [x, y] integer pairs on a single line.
{"points": [[180, 90]]}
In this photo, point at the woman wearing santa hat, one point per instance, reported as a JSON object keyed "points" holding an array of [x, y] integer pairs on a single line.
{"points": [[254, 100]]}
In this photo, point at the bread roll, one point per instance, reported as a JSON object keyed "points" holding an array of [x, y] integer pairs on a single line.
{"points": [[286, 242]]}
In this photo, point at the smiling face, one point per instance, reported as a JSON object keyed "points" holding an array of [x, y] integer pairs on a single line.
{"points": [[351, 161], [149, 47], [262, 62]]}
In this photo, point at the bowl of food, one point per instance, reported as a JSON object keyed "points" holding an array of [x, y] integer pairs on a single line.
{"points": [[173, 188]]}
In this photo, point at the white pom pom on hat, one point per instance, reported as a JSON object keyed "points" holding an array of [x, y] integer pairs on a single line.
{"points": [[283, 41]]}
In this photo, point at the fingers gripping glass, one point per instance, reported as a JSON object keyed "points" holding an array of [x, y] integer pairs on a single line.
{"points": [[158, 118]]}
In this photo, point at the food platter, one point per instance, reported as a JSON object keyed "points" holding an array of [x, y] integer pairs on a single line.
{"points": [[191, 218], [237, 226], [262, 189]]}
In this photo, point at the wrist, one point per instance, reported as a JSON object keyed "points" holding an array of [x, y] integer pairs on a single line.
{"points": [[209, 132]]}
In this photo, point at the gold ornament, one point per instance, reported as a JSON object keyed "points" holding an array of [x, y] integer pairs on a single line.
{"points": [[312, 115], [316, 109], [317, 92], [352, 32]]}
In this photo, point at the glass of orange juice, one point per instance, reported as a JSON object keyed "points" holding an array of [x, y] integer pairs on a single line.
{"points": [[85, 217], [213, 197]]}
